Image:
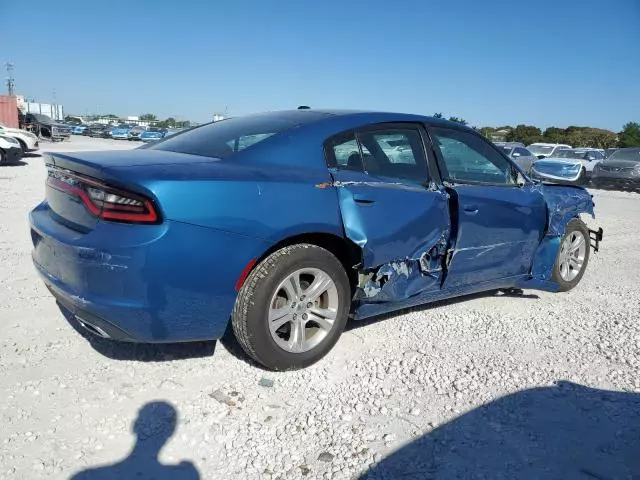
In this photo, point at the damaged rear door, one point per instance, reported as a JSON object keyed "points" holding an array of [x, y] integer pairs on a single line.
{"points": [[391, 208]]}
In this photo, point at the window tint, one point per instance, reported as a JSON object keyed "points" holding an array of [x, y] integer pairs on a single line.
{"points": [[396, 153], [468, 158], [224, 138]]}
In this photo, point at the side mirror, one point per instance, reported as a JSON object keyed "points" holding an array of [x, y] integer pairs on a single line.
{"points": [[541, 157]]}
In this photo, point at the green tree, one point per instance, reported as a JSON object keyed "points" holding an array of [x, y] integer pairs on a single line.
{"points": [[459, 120], [555, 135], [526, 134], [630, 135], [487, 132], [438, 115], [148, 117]]}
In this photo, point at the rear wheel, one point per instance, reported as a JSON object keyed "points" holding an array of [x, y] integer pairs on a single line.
{"points": [[3, 157], [573, 256], [292, 308]]}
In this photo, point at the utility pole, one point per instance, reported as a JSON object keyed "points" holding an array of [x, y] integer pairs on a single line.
{"points": [[10, 80]]}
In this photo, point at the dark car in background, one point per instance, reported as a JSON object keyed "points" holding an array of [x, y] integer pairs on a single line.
{"points": [[98, 130], [609, 151], [45, 126], [621, 169]]}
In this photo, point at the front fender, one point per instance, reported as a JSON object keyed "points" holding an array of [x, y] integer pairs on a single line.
{"points": [[563, 204]]}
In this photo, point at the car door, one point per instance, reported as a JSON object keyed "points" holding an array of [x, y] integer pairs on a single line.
{"points": [[499, 222], [391, 207]]}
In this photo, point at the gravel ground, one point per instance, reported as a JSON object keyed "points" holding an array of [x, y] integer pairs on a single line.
{"points": [[537, 386]]}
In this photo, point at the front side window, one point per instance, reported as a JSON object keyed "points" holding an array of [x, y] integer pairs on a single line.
{"points": [[467, 158]]}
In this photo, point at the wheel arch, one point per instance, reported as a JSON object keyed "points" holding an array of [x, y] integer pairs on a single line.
{"points": [[348, 253]]}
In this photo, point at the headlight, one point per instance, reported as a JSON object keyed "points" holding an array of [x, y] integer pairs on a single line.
{"points": [[10, 140]]}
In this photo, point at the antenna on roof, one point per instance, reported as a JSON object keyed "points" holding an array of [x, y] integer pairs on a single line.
{"points": [[303, 107]]}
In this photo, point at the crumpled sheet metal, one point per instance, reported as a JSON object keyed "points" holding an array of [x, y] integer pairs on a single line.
{"points": [[564, 203], [406, 278]]}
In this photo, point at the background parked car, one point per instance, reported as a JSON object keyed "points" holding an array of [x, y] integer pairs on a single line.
{"points": [[27, 140], [543, 150], [520, 155], [567, 166], [135, 132], [121, 132], [78, 129], [588, 157], [153, 134], [99, 130], [10, 150], [621, 169], [609, 151], [45, 126]]}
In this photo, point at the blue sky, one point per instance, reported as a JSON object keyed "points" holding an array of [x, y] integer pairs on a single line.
{"points": [[562, 62]]}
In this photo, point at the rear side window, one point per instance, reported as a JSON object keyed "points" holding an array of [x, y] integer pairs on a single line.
{"points": [[523, 152], [344, 153], [224, 138]]}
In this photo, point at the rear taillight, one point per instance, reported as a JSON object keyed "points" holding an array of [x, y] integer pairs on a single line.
{"points": [[102, 200]]}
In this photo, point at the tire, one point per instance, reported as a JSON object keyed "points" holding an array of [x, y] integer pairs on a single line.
{"points": [[566, 278], [23, 146], [582, 179], [3, 158], [260, 292]]}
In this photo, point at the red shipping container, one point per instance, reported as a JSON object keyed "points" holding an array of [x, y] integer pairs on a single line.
{"points": [[9, 111]]}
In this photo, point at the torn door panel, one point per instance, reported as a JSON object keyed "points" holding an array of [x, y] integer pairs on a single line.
{"points": [[563, 204], [390, 223], [405, 278]]}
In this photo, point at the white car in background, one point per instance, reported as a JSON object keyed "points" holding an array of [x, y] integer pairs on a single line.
{"points": [[27, 140], [545, 150], [10, 151]]}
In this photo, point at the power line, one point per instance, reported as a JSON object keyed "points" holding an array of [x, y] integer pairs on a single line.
{"points": [[10, 80]]}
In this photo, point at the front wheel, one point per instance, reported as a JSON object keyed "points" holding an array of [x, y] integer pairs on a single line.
{"points": [[573, 256], [292, 308]]}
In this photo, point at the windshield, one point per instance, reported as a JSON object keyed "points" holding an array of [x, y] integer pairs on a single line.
{"points": [[507, 150], [569, 154], [630, 154], [224, 138], [42, 118], [540, 149]]}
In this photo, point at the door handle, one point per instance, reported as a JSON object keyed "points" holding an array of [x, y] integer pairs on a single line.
{"points": [[470, 209], [363, 199]]}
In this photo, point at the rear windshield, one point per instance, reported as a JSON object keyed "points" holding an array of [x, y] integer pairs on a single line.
{"points": [[226, 137]]}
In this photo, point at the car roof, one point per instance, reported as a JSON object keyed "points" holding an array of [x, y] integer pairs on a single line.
{"points": [[310, 116]]}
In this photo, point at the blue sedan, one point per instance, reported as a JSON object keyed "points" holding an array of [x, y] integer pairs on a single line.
{"points": [[285, 224]]}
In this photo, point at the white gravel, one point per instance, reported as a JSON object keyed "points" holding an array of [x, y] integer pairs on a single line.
{"points": [[417, 395]]}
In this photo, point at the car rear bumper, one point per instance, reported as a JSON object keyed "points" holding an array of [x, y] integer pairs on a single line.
{"points": [[172, 282]]}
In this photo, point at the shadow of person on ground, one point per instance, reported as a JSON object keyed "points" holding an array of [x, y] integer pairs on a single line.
{"points": [[141, 352], [17, 163], [153, 428], [567, 431]]}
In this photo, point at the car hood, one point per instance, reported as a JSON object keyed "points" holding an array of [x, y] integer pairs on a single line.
{"points": [[120, 131], [151, 134], [13, 130], [557, 163]]}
